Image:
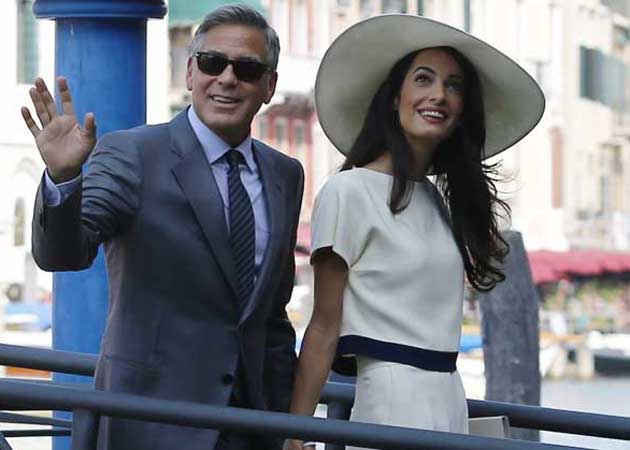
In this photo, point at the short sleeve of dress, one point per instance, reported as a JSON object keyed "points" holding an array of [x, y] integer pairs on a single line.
{"points": [[336, 220]]}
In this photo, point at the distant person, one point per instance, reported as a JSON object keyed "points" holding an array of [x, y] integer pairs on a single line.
{"points": [[199, 223], [405, 97]]}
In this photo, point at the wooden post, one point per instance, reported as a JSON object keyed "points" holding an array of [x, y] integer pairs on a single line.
{"points": [[510, 335]]}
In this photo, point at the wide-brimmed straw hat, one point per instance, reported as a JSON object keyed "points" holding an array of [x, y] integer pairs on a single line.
{"points": [[359, 60]]}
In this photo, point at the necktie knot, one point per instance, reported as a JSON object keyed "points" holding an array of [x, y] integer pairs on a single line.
{"points": [[234, 158]]}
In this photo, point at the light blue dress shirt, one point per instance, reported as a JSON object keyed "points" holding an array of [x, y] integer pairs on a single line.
{"points": [[215, 149]]}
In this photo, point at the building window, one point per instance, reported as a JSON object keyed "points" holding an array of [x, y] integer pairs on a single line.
{"points": [[180, 38], [27, 62], [605, 198], [467, 20], [280, 134], [263, 128], [299, 141], [367, 8], [420, 7], [603, 78], [299, 27], [557, 168], [621, 36], [541, 70], [394, 6], [280, 21], [619, 6], [617, 165], [19, 223]]}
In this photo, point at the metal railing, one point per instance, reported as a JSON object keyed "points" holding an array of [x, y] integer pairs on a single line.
{"points": [[89, 404], [47, 359]]}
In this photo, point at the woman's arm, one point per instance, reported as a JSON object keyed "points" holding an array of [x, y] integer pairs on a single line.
{"points": [[320, 340]]}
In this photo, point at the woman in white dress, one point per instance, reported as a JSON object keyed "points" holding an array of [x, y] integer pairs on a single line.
{"points": [[405, 97]]}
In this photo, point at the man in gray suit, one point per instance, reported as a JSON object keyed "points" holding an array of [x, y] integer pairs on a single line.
{"points": [[199, 224]]}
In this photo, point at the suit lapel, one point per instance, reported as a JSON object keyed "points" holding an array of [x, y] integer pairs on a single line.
{"points": [[194, 175], [273, 189]]}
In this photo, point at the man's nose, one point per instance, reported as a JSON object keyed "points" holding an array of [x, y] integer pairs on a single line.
{"points": [[227, 76]]}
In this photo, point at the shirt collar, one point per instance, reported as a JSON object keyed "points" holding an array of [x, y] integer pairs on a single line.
{"points": [[213, 146]]}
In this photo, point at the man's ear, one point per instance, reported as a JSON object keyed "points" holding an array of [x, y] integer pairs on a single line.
{"points": [[189, 70], [271, 86]]}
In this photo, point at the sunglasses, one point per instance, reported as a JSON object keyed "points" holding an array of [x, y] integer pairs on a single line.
{"points": [[214, 64]]}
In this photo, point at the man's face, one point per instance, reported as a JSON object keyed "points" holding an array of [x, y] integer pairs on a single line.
{"points": [[224, 103]]}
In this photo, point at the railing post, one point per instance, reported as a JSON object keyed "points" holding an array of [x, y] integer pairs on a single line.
{"points": [[84, 429], [511, 334], [337, 410]]}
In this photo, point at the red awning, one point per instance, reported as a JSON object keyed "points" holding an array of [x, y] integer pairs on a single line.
{"points": [[543, 272], [549, 265]]}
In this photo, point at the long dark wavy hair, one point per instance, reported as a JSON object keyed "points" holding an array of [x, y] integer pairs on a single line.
{"points": [[465, 181]]}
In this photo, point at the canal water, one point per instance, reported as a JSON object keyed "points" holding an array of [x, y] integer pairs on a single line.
{"points": [[607, 395]]}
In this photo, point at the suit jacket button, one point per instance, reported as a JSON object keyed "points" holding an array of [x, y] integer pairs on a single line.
{"points": [[228, 378]]}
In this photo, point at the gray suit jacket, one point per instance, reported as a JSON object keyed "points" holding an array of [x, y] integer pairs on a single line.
{"points": [[174, 329]]}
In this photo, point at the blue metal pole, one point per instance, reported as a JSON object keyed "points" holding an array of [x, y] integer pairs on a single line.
{"points": [[100, 48]]}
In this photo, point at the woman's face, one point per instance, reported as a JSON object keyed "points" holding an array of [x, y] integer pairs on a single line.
{"points": [[431, 97]]}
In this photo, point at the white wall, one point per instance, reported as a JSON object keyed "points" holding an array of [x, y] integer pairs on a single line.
{"points": [[20, 164]]}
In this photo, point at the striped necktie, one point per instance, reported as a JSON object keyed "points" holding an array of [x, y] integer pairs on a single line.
{"points": [[242, 232]]}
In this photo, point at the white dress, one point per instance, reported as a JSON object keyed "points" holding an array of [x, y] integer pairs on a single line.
{"points": [[402, 305]]}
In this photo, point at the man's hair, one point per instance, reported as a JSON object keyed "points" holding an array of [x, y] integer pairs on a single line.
{"points": [[239, 14]]}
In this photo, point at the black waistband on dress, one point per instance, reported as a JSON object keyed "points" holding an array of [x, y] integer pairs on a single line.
{"points": [[422, 358]]}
